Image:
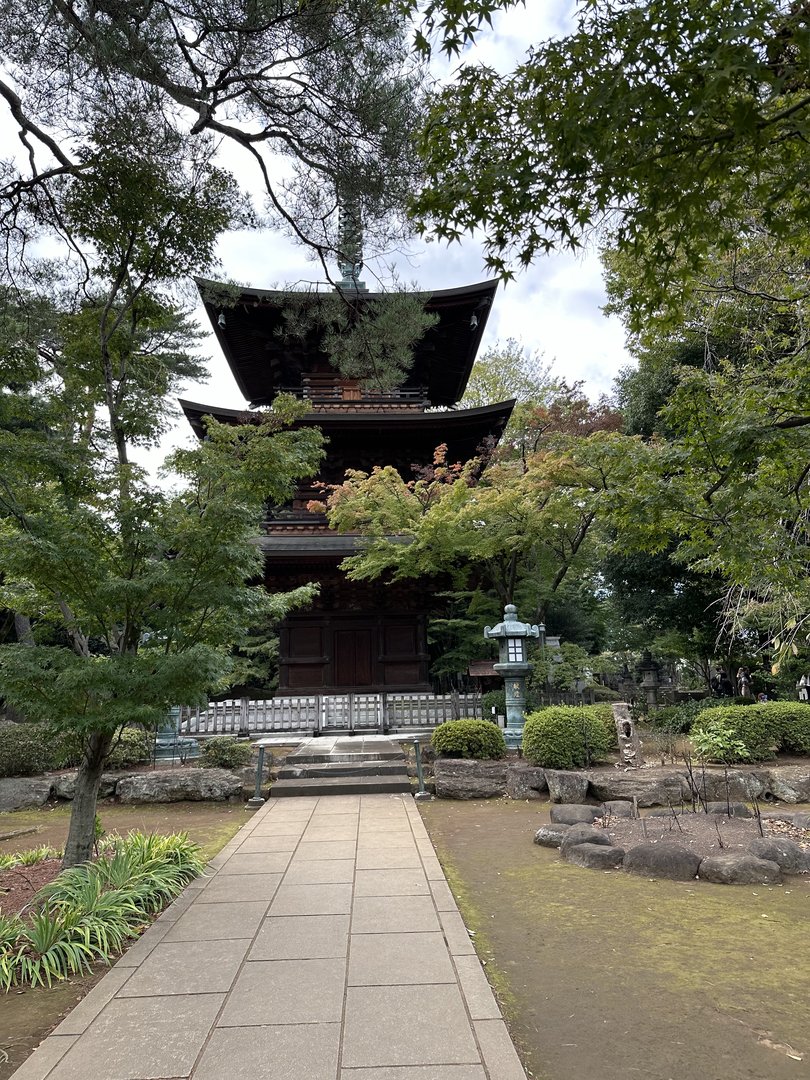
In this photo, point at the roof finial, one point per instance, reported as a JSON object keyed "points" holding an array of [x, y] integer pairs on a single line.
{"points": [[350, 245]]}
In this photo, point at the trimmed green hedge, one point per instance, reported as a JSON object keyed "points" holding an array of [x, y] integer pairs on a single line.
{"points": [[25, 750], [225, 752], [761, 729], [133, 747], [469, 738], [569, 736]]}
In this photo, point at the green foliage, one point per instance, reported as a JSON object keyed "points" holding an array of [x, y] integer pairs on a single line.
{"points": [[718, 740], [29, 857], [760, 729], [131, 747], [605, 693], [679, 719], [25, 750], [225, 752], [568, 736], [469, 738], [90, 911], [796, 729]]}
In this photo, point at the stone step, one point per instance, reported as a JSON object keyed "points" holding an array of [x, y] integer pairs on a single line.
{"points": [[341, 785], [305, 758], [294, 770]]}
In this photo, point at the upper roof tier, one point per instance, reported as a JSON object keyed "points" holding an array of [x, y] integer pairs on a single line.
{"points": [[264, 364]]}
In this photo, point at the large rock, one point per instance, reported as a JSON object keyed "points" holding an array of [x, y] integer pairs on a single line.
{"points": [[617, 808], [179, 785], [738, 809], [566, 787], [550, 835], [584, 834], [525, 782], [736, 785], [594, 856], [786, 853], [801, 820], [731, 868], [647, 789], [574, 814], [460, 779], [662, 860], [789, 783], [23, 792], [64, 787]]}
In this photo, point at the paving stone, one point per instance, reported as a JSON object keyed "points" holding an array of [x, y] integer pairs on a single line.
{"points": [[399, 959], [43, 1059], [476, 989], [186, 967], [326, 821], [280, 828], [142, 1039], [408, 882], [320, 872], [302, 937], [173, 912], [416, 1072], [325, 849], [305, 1052], [286, 992], [312, 900], [406, 1025], [270, 862], [382, 858], [458, 940], [499, 1053], [433, 869], [138, 952], [211, 922], [238, 888], [442, 897], [326, 833], [79, 1018], [393, 915], [255, 845]]}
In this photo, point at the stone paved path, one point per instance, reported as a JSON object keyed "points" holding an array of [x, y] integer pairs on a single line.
{"points": [[323, 944]]}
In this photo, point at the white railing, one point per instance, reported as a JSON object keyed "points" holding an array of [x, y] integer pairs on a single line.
{"points": [[326, 713]]}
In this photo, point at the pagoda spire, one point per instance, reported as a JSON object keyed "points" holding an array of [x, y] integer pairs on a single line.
{"points": [[350, 245]]}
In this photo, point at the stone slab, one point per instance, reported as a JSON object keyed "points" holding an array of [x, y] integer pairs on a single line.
{"points": [[45, 1057], [212, 922], [312, 900], [138, 952], [382, 858], [320, 872], [399, 959], [416, 1072], [80, 1017], [302, 937], [270, 862], [455, 932], [186, 967], [498, 1051], [406, 1025], [286, 992], [240, 888], [142, 1039], [325, 849], [305, 1052], [442, 897], [256, 844], [476, 989], [393, 915], [402, 882]]}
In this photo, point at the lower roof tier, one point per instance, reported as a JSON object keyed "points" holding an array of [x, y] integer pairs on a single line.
{"points": [[364, 439]]}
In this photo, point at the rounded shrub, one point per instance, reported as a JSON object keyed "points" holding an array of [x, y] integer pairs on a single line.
{"points": [[469, 738], [133, 746], [569, 736], [679, 718], [25, 750], [759, 729], [794, 718], [225, 752]]}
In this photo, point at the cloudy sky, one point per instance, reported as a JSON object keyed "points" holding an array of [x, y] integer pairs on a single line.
{"points": [[554, 307]]}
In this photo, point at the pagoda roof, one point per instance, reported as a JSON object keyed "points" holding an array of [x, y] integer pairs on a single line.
{"points": [[264, 364], [414, 434]]}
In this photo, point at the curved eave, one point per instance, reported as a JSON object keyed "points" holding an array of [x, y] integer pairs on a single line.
{"points": [[261, 363]]}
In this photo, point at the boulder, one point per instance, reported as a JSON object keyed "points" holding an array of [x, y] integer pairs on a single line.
{"points": [[732, 868], [23, 792], [525, 782], [64, 787], [178, 785], [594, 856], [457, 778], [786, 853], [617, 808], [662, 860], [738, 809], [718, 785], [584, 834], [647, 789], [550, 835], [789, 783], [566, 787], [660, 812], [574, 814], [801, 820]]}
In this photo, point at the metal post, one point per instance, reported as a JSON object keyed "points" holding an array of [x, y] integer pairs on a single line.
{"points": [[421, 794], [258, 799]]}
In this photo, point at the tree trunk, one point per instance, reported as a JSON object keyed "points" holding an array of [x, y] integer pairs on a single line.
{"points": [[81, 836]]}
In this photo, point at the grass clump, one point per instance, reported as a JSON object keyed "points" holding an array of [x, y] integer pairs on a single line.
{"points": [[469, 738], [569, 736]]}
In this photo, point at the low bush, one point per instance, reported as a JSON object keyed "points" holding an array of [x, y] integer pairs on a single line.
{"points": [[718, 740], [25, 750], [679, 719], [225, 752], [605, 693], [133, 746], [794, 720], [569, 736], [89, 912], [760, 729], [469, 738]]}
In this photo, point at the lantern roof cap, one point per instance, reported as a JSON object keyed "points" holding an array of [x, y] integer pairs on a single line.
{"points": [[511, 626]]}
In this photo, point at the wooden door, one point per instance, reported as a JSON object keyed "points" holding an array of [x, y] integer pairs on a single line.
{"points": [[352, 658]]}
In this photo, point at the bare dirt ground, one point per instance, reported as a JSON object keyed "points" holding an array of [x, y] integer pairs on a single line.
{"points": [[704, 834], [26, 1015], [606, 976]]}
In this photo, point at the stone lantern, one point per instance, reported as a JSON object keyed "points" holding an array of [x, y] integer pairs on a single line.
{"points": [[513, 666], [649, 671]]}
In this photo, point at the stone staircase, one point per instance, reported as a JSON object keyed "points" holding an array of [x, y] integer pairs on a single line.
{"points": [[343, 766]]}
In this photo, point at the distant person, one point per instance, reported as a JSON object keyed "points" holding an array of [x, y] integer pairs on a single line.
{"points": [[762, 698], [721, 684], [744, 682]]}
